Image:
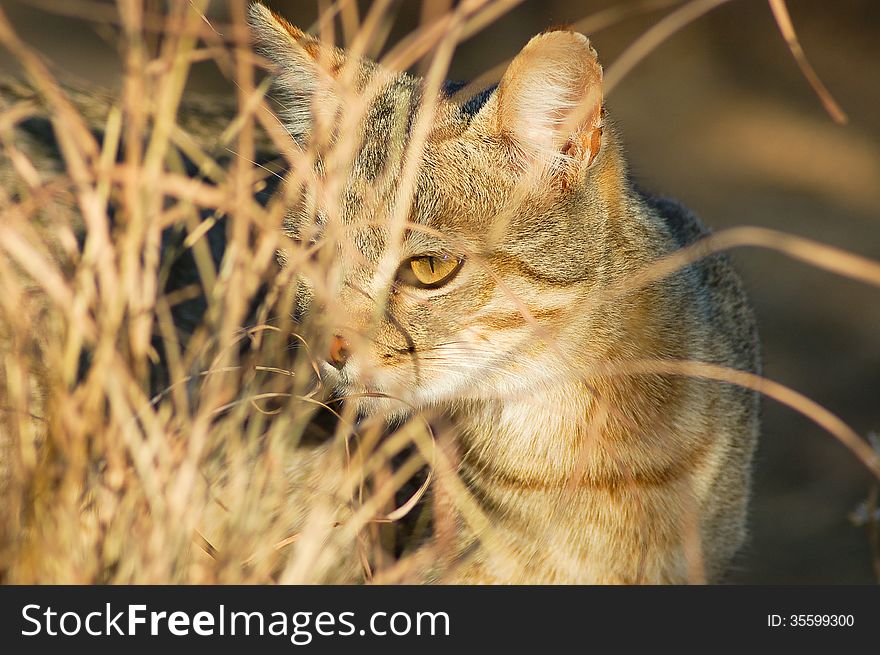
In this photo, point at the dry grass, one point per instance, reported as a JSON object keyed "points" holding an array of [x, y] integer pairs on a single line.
{"points": [[149, 424]]}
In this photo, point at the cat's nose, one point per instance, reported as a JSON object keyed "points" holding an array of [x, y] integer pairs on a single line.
{"points": [[338, 352]]}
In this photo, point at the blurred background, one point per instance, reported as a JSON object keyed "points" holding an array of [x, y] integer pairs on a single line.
{"points": [[720, 117]]}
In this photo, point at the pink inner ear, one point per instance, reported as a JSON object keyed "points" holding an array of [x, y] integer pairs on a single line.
{"points": [[585, 144]]}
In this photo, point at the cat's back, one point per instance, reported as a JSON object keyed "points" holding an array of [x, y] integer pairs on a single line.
{"points": [[721, 330], [721, 296]]}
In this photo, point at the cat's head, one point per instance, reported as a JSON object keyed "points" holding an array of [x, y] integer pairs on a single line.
{"points": [[452, 235]]}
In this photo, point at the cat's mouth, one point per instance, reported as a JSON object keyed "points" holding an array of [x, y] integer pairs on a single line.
{"points": [[350, 382], [372, 394]]}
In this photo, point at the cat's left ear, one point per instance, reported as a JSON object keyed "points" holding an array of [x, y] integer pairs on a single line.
{"points": [[305, 68], [550, 101]]}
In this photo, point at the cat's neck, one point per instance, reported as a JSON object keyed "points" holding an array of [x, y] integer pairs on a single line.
{"points": [[526, 437]]}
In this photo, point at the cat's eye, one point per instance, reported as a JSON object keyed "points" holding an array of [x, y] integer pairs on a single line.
{"points": [[429, 271]]}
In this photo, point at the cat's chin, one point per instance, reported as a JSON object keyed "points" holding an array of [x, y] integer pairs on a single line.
{"points": [[371, 401], [387, 409]]}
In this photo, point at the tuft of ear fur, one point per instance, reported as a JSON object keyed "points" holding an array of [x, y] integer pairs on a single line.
{"points": [[550, 100], [305, 68]]}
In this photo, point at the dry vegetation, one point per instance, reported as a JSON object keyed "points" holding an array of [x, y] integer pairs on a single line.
{"points": [[163, 417]]}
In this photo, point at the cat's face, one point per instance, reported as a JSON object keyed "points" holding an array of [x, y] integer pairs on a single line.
{"points": [[446, 277]]}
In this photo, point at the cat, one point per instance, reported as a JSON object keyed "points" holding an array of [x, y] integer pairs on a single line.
{"points": [[486, 310]]}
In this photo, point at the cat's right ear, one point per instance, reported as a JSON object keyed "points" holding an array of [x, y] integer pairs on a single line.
{"points": [[305, 69]]}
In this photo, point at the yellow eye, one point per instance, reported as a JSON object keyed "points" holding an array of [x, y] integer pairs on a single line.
{"points": [[429, 271]]}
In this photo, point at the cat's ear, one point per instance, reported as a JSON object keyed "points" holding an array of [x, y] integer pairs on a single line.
{"points": [[550, 101], [305, 68]]}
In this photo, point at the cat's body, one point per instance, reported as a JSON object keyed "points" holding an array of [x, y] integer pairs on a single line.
{"points": [[503, 310]]}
